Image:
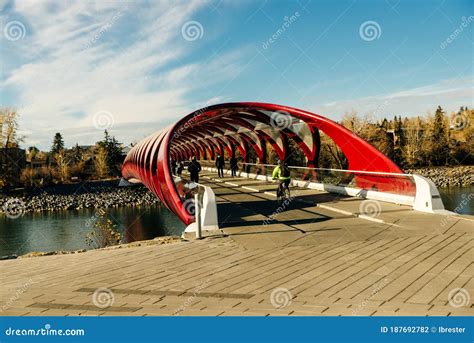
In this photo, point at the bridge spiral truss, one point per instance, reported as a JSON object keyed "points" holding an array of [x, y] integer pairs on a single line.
{"points": [[243, 126]]}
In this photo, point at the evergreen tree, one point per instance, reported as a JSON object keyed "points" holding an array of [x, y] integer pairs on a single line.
{"points": [[113, 151], [58, 144], [77, 154], [439, 138]]}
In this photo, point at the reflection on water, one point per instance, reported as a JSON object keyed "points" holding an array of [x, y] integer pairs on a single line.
{"points": [[458, 199], [66, 230]]}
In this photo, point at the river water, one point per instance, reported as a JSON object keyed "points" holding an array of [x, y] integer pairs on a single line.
{"points": [[66, 230]]}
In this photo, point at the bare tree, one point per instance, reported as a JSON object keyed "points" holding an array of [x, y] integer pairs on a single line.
{"points": [[9, 128], [8, 139], [331, 155], [414, 137]]}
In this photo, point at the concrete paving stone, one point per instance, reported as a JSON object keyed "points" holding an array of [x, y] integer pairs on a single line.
{"points": [[439, 311], [14, 312], [384, 313]]}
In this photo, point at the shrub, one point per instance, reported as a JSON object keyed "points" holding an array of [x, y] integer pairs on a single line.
{"points": [[103, 233]]}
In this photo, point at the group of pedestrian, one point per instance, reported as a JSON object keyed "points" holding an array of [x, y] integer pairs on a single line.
{"points": [[194, 167], [220, 166], [177, 167]]}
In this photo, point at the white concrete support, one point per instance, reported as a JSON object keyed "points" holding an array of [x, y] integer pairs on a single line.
{"points": [[206, 214], [427, 198], [209, 218], [197, 207]]}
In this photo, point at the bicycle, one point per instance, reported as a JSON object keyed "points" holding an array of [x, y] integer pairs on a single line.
{"points": [[283, 192]]}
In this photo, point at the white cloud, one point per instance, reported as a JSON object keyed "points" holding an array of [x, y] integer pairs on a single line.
{"points": [[85, 57], [449, 94]]}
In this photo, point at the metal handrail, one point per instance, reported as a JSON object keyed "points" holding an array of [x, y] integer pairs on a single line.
{"points": [[329, 169]]}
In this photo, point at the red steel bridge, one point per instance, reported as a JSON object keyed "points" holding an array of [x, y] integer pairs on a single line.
{"points": [[243, 126]]}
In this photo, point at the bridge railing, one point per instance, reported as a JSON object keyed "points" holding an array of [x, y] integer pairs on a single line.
{"points": [[405, 189], [199, 201]]}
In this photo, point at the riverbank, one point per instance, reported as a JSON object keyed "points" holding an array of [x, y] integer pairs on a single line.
{"points": [[443, 177], [156, 241], [98, 194]]}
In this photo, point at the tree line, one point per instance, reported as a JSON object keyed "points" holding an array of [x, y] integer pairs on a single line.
{"points": [[59, 165], [424, 141], [432, 140]]}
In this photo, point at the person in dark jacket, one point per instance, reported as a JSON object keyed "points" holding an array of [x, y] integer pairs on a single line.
{"points": [[194, 168], [179, 168], [233, 166], [173, 167], [220, 165]]}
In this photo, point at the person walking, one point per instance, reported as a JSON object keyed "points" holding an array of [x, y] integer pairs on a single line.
{"points": [[220, 165], [179, 168], [233, 166], [194, 169], [173, 166]]}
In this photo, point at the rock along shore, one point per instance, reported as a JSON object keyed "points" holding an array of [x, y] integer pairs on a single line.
{"points": [[100, 194], [459, 176]]}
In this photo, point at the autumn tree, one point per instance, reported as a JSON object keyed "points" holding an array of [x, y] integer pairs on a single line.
{"points": [[413, 146], [33, 151], [113, 151], [9, 139], [62, 166], [330, 155], [100, 161]]}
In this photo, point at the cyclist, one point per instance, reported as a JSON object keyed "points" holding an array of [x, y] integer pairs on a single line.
{"points": [[282, 173]]}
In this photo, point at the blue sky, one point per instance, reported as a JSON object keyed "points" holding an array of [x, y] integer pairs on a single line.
{"points": [[133, 67]]}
